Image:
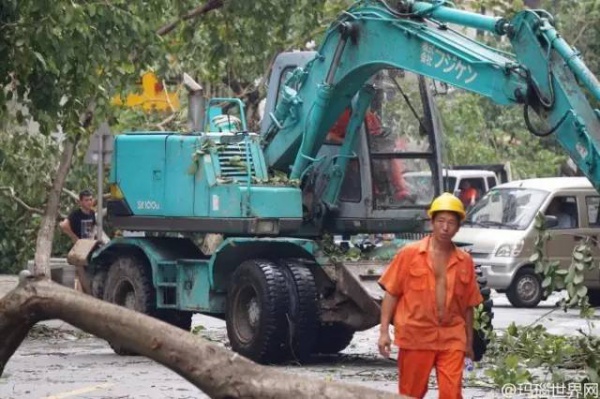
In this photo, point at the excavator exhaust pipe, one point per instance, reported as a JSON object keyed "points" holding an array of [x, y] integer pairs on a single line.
{"points": [[196, 103]]}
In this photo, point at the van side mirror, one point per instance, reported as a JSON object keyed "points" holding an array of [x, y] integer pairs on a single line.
{"points": [[551, 221]]}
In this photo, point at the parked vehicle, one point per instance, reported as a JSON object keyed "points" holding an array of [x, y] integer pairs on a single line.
{"points": [[454, 181], [501, 229]]}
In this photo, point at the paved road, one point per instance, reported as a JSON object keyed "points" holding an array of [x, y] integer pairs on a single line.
{"points": [[68, 366]]}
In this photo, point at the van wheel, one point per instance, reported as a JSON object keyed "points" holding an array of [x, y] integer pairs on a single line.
{"points": [[525, 291], [594, 297]]}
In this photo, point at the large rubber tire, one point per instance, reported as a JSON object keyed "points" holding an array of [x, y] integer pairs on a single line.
{"points": [[256, 314], [98, 283], [480, 342], [129, 284], [333, 338], [303, 317], [526, 290]]}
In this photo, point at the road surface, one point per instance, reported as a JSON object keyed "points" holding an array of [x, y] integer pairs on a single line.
{"points": [[65, 363]]}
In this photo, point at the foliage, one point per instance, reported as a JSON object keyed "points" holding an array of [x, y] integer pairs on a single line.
{"points": [[59, 57], [26, 164], [482, 321], [478, 131], [22, 179], [561, 359], [521, 349], [235, 44], [341, 252], [556, 278]]}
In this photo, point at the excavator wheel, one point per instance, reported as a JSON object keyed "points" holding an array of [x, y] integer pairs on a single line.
{"points": [[480, 342], [333, 338], [129, 284], [98, 283], [257, 308], [303, 317]]}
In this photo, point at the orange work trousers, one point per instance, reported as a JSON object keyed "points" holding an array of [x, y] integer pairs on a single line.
{"points": [[414, 368]]}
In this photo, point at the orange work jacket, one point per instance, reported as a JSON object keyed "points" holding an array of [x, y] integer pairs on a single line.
{"points": [[410, 278]]}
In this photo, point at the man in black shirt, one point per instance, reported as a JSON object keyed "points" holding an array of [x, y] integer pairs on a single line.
{"points": [[81, 223]]}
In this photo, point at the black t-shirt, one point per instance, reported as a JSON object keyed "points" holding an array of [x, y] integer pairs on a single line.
{"points": [[82, 223]]}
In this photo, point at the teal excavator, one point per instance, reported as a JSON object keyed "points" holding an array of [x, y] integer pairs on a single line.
{"points": [[234, 224]]}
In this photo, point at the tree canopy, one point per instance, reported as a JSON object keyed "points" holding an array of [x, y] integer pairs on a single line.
{"points": [[62, 62]]}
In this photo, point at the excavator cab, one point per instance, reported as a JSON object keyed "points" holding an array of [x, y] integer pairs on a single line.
{"points": [[393, 173]]}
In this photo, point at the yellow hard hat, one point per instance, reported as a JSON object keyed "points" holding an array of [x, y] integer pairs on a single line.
{"points": [[447, 202]]}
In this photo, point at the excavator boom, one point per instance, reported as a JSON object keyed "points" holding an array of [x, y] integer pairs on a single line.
{"points": [[544, 75]]}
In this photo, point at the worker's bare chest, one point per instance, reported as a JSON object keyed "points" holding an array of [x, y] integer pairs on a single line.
{"points": [[439, 262]]}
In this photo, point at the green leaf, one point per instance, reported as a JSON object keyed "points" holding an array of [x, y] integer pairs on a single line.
{"points": [[512, 361], [578, 279], [539, 267], [562, 272], [573, 301], [547, 281], [535, 257], [571, 290], [582, 291], [41, 59]]}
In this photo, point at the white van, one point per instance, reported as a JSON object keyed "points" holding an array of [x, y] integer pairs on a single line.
{"points": [[500, 230]]}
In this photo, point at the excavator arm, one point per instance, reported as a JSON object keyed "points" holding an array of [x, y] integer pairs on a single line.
{"points": [[544, 75]]}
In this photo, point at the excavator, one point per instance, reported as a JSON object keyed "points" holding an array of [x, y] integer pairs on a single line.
{"points": [[239, 225]]}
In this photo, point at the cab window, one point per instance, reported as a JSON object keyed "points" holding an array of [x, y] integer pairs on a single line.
{"points": [[565, 210], [470, 190], [592, 204]]}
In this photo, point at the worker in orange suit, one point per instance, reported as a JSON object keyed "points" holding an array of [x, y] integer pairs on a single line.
{"points": [[431, 291]]}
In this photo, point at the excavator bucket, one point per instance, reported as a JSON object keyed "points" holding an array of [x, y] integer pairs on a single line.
{"points": [[357, 290]]}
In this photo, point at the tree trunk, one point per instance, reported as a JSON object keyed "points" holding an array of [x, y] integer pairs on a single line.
{"points": [[217, 371], [45, 236]]}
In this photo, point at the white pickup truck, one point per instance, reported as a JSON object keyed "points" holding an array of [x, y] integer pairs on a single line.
{"points": [[480, 177]]}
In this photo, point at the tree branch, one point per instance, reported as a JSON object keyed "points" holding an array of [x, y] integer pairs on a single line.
{"points": [[196, 12], [583, 28], [71, 194], [13, 196], [217, 371]]}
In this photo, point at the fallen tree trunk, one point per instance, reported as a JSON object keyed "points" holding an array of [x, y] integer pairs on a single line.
{"points": [[217, 371]]}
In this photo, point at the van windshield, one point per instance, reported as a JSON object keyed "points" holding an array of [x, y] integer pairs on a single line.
{"points": [[510, 208]]}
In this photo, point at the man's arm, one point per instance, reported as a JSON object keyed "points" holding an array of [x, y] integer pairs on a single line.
{"points": [[65, 226], [391, 281], [473, 300], [469, 327], [388, 307]]}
